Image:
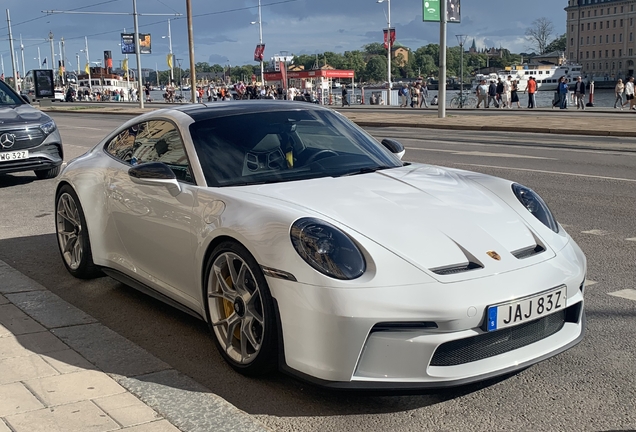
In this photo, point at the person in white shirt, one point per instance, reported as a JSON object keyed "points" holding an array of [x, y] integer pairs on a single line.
{"points": [[505, 96], [629, 93]]}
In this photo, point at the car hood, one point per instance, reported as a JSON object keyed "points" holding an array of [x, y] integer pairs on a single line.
{"points": [[434, 218], [11, 115]]}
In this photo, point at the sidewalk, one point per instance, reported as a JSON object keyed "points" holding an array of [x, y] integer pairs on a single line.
{"points": [[62, 371], [547, 121]]}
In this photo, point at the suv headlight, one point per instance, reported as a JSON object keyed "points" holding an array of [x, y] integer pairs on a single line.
{"points": [[535, 205], [48, 127], [327, 249]]}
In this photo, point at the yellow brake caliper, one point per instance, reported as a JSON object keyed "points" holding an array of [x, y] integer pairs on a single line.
{"points": [[228, 308]]}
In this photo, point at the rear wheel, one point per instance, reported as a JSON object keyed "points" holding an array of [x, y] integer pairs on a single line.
{"points": [[47, 173], [454, 103], [72, 235], [240, 310]]}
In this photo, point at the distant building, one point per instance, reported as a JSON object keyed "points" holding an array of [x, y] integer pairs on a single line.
{"points": [[398, 50], [490, 52], [552, 58], [600, 37]]}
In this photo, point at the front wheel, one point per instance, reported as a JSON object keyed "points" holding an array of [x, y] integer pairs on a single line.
{"points": [[454, 103], [72, 235], [240, 310]]}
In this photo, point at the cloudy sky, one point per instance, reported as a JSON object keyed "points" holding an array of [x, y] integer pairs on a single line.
{"points": [[223, 33]]}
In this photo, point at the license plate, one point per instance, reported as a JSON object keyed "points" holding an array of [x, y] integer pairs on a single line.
{"points": [[526, 309], [14, 155]]}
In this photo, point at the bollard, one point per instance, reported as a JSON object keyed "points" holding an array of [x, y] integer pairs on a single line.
{"points": [[591, 102], [362, 92]]}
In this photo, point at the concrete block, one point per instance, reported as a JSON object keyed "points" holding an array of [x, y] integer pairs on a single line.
{"points": [[12, 281], [73, 387], [157, 426], [68, 361], [28, 344], [49, 309]]}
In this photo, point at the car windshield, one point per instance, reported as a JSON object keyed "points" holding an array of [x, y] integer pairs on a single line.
{"points": [[8, 96], [278, 146]]}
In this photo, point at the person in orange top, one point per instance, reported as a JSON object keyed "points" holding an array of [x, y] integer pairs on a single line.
{"points": [[531, 88]]}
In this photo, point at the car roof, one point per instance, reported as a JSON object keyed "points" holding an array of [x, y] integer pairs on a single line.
{"points": [[223, 109]]}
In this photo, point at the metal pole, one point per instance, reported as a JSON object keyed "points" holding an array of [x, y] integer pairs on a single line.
{"points": [[441, 112], [88, 61], [78, 64], [171, 56], [23, 66], [260, 38], [52, 67], [13, 65], [2, 63], [138, 54], [39, 59], [388, 102], [63, 55], [193, 73]]}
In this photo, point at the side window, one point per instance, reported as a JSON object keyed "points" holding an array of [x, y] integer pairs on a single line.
{"points": [[121, 146], [160, 141]]}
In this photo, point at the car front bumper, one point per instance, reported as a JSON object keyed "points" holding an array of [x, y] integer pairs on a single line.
{"points": [[47, 155], [378, 338]]}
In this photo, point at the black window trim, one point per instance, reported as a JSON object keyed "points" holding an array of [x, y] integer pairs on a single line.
{"points": [[119, 131]]}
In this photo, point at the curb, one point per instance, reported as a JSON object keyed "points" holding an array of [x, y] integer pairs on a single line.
{"points": [[177, 398]]}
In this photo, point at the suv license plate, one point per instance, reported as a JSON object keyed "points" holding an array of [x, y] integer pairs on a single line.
{"points": [[14, 155], [526, 309]]}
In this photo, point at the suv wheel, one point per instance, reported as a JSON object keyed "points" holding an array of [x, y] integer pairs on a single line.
{"points": [[47, 173]]}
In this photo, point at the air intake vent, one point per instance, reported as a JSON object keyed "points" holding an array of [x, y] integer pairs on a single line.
{"points": [[528, 252], [445, 271]]}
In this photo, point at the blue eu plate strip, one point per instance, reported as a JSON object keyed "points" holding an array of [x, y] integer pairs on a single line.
{"points": [[492, 318]]}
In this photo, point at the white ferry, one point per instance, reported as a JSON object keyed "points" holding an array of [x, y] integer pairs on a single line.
{"points": [[104, 82], [547, 76]]}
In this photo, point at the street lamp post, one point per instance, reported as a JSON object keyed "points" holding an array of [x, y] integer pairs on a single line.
{"points": [[388, 38], [52, 65], [462, 40], [170, 49], [260, 38]]}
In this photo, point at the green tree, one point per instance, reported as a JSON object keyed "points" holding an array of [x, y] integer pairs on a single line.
{"points": [[559, 44], [375, 70], [540, 34], [374, 48]]}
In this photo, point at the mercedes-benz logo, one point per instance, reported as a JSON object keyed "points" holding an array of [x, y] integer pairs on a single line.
{"points": [[7, 140]]}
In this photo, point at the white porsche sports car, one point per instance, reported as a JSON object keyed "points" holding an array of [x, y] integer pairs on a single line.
{"points": [[309, 246]]}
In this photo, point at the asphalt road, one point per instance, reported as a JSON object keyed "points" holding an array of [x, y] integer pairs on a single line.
{"points": [[590, 387]]}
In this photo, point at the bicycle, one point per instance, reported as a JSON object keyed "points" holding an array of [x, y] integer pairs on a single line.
{"points": [[463, 100]]}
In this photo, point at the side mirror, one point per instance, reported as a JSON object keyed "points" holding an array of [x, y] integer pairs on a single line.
{"points": [[394, 147], [155, 174]]}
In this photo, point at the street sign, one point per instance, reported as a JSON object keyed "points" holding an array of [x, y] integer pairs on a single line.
{"points": [[430, 10]]}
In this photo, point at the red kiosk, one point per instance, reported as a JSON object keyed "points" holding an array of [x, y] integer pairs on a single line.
{"points": [[319, 80]]}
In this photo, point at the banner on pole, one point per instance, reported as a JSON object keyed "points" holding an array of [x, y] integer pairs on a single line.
{"points": [[386, 39], [128, 43], [258, 52]]}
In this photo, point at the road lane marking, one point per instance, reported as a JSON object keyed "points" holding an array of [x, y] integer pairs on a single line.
{"points": [[547, 172], [480, 153], [629, 294], [631, 239], [597, 232], [589, 283]]}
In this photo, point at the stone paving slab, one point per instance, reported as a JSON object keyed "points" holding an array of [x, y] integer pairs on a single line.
{"points": [[15, 398], [3, 300], [188, 405], [127, 410], [14, 321], [4, 427], [13, 281], [73, 387], [26, 345], [24, 368], [109, 351], [49, 309], [158, 426], [77, 417], [67, 361]]}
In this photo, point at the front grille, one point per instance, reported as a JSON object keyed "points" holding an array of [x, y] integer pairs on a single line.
{"points": [[25, 138], [456, 269], [528, 252], [498, 342]]}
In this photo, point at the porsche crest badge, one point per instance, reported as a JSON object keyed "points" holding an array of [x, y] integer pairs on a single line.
{"points": [[494, 255]]}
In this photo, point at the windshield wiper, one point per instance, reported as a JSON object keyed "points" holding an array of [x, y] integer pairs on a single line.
{"points": [[367, 170]]}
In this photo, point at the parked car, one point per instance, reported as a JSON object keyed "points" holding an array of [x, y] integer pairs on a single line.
{"points": [[309, 246], [29, 138]]}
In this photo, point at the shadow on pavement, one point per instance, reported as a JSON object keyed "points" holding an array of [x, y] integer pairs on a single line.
{"points": [[183, 342], [9, 180]]}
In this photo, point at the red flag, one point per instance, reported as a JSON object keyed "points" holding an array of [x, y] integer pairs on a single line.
{"points": [[386, 45], [283, 74], [258, 52]]}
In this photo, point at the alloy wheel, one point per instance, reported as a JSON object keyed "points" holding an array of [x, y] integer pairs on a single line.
{"points": [[236, 308], [69, 231]]}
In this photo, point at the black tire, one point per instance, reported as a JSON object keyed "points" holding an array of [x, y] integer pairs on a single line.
{"points": [[84, 267], [265, 360], [47, 173]]}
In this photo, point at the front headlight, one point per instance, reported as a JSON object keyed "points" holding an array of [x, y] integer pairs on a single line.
{"points": [[327, 249], [535, 205], [48, 127]]}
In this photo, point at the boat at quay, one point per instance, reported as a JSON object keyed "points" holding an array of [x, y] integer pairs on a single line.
{"points": [[547, 76]]}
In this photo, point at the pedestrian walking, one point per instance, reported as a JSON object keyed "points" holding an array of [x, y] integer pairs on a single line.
{"points": [[563, 93], [415, 96], [629, 93], [514, 94], [618, 90], [404, 96], [482, 93], [345, 101], [507, 84], [492, 94], [531, 88], [500, 91], [423, 94], [579, 93]]}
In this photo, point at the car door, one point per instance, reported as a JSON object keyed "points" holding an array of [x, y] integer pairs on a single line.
{"points": [[154, 226]]}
